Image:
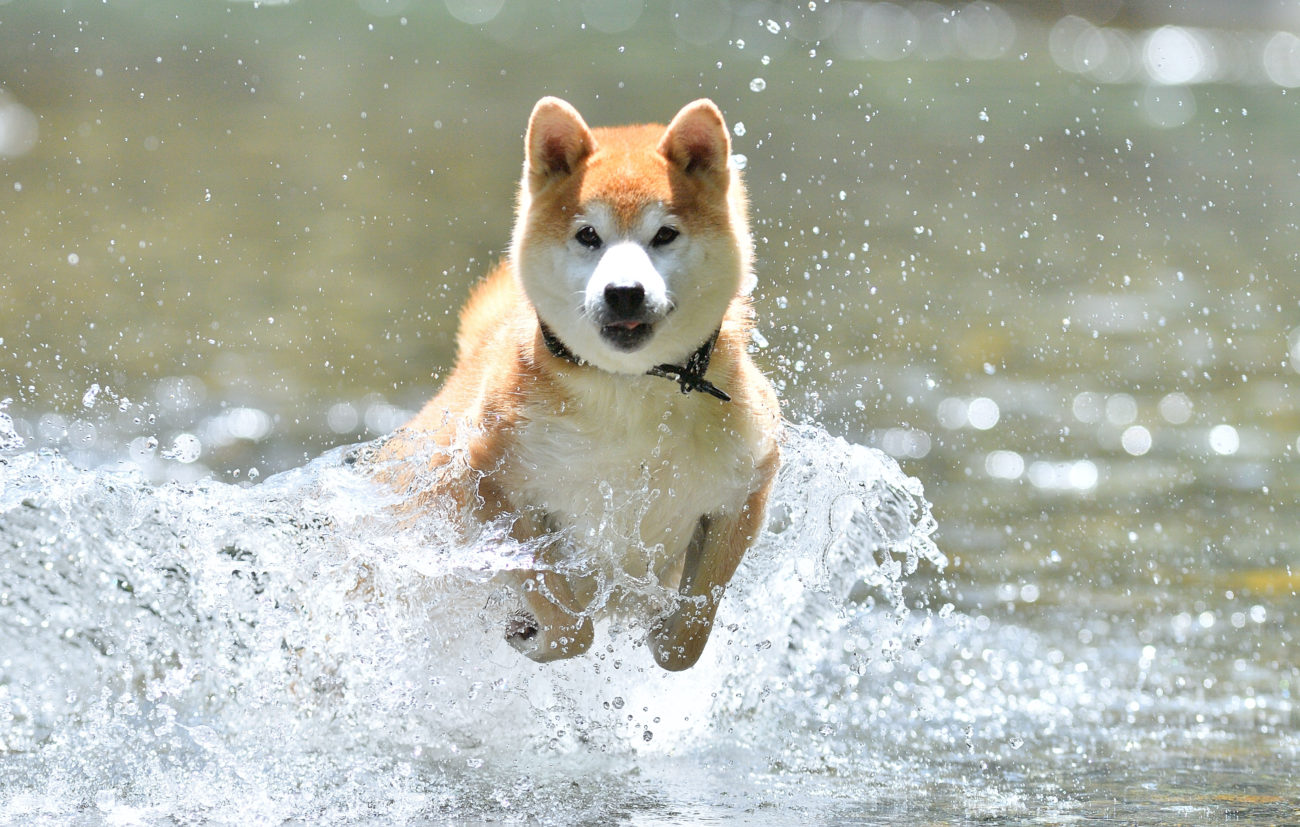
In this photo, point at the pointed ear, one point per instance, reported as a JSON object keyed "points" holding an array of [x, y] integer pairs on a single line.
{"points": [[558, 140], [696, 141]]}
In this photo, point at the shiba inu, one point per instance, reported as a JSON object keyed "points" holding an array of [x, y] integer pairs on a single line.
{"points": [[603, 403]]}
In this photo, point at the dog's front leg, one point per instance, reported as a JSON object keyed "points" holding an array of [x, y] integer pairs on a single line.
{"points": [[712, 556], [554, 626]]}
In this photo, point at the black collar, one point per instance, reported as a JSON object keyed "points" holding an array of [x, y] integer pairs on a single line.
{"points": [[689, 376]]}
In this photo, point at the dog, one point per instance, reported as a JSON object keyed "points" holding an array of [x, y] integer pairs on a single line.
{"points": [[603, 403]]}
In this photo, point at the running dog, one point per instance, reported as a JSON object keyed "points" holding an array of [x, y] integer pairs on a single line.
{"points": [[603, 403]]}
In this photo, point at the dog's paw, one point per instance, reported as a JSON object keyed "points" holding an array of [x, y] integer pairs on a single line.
{"points": [[678, 640], [542, 644], [521, 629]]}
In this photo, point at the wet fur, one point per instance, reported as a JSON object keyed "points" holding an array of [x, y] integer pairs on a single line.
{"points": [[656, 482]]}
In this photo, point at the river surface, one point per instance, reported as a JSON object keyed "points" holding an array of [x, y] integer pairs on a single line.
{"points": [[1028, 287]]}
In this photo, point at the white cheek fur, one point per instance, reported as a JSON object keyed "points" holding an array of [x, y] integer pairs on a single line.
{"points": [[694, 277]]}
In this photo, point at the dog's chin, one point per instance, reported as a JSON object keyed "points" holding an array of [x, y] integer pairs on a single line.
{"points": [[627, 337]]}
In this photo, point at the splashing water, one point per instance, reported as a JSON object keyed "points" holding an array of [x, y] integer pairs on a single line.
{"points": [[257, 653]]}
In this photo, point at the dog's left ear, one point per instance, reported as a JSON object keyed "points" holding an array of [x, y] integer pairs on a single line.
{"points": [[696, 141]]}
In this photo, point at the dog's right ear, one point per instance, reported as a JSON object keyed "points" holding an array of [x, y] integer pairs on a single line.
{"points": [[558, 140]]}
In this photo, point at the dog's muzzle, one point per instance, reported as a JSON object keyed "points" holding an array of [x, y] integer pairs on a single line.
{"points": [[626, 323]]}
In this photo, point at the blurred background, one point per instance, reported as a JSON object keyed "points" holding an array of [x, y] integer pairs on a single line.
{"points": [[1045, 254]]}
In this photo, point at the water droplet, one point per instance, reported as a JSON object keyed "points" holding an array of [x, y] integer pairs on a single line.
{"points": [[206, 737], [738, 128], [648, 736], [1136, 440], [982, 413], [88, 399], [1176, 408], [773, 27], [755, 85], [185, 448], [1224, 439]]}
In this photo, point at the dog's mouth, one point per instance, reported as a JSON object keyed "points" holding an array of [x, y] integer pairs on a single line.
{"points": [[627, 335]]}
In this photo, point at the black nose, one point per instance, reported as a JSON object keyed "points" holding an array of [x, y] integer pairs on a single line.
{"points": [[624, 300]]}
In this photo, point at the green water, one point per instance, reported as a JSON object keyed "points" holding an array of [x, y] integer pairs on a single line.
{"points": [[1070, 307]]}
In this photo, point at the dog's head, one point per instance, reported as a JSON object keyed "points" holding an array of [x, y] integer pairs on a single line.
{"points": [[630, 241]]}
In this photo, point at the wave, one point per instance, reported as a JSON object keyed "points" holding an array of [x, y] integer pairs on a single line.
{"points": [[262, 652]]}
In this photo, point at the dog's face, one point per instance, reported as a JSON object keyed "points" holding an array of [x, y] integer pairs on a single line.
{"points": [[630, 242]]}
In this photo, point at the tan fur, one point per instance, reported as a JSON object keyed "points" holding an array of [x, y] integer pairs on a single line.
{"points": [[483, 448]]}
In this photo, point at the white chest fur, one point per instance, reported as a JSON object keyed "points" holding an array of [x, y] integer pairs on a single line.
{"points": [[629, 466]]}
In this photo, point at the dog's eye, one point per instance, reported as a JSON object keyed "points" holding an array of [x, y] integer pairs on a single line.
{"points": [[664, 236], [588, 237]]}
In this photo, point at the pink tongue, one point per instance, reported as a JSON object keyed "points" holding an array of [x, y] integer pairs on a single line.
{"points": [[626, 325]]}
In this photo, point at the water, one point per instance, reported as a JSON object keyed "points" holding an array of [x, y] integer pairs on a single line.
{"points": [[291, 651], [1048, 265]]}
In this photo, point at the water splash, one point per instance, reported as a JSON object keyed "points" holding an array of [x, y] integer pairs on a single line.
{"points": [[258, 653], [9, 437]]}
